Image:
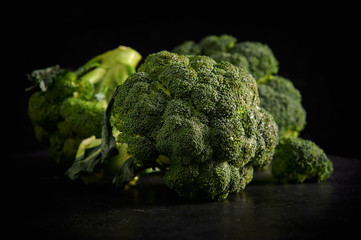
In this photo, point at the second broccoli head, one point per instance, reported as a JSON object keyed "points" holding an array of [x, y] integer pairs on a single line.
{"points": [[200, 118], [65, 114], [280, 98], [68, 106], [255, 57]]}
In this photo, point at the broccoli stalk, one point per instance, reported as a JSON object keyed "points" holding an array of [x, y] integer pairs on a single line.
{"points": [[106, 71], [69, 105], [198, 120]]}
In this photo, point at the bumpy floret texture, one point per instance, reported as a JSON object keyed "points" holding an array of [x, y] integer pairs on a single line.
{"points": [[254, 57], [260, 58], [277, 94], [202, 115], [297, 159], [280, 98], [70, 105], [64, 115]]}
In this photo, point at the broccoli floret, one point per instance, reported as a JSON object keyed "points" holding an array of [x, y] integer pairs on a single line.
{"points": [[261, 61], [70, 85], [69, 105], [63, 150], [77, 114], [296, 159], [42, 112], [280, 98], [213, 44], [254, 57], [234, 58], [188, 48], [199, 118]]}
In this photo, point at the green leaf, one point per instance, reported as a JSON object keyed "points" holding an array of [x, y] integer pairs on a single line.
{"points": [[88, 156], [93, 151], [43, 78], [126, 173], [128, 169], [108, 143]]}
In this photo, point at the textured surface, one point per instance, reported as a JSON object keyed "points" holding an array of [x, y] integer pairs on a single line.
{"points": [[45, 203]]}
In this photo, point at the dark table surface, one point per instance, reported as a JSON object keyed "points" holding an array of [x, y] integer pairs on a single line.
{"points": [[45, 203]]}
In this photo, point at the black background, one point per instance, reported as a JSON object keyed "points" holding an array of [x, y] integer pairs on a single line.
{"points": [[317, 49], [318, 53]]}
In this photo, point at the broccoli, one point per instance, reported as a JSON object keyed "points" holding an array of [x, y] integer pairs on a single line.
{"points": [[197, 120], [261, 61], [255, 57], [69, 105], [280, 98], [277, 94], [296, 159]]}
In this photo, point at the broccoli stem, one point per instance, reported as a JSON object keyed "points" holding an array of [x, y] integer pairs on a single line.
{"points": [[110, 69], [128, 56], [120, 55], [94, 76]]}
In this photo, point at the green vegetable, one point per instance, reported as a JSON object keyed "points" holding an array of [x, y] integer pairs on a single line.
{"points": [[277, 94], [297, 159], [280, 98], [198, 120], [255, 57], [69, 105]]}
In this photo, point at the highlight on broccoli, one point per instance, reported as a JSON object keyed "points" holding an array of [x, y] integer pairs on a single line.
{"points": [[296, 159], [197, 120], [277, 94], [69, 105]]}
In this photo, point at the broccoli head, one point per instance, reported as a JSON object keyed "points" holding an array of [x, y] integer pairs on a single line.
{"points": [[296, 159], [254, 57], [280, 98], [68, 106], [261, 61], [200, 118]]}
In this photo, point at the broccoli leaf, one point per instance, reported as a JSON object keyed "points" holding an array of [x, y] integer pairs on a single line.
{"points": [[88, 156], [43, 77], [126, 173], [109, 149], [108, 143], [95, 150]]}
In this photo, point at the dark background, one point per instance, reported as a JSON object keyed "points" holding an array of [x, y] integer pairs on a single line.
{"points": [[319, 54], [317, 49]]}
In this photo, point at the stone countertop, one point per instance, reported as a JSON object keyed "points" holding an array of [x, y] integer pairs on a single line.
{"points": [[45, 203]]}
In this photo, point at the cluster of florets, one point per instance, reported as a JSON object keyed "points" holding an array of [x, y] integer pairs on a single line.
{"points": [[65, 114], [277, 94], [203, 116], [68, 106]]}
